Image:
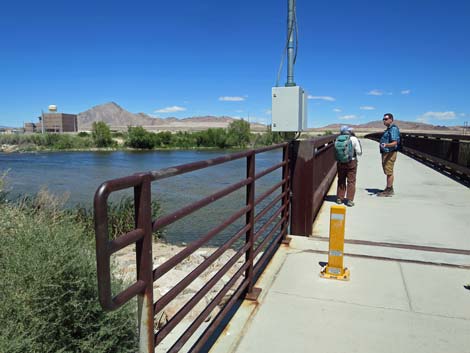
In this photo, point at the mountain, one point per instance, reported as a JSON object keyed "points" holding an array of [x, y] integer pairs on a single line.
{"points": [[378, 125], [119, 119], [115, 116]]}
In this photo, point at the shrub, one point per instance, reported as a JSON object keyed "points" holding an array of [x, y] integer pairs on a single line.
{"points": [[269, 137], [164, 138], [120, 216], [101, 134], [238, 133], [184, 139], [138, 137], [48, 289], [3, 176], [117, 134], [83, 134]]}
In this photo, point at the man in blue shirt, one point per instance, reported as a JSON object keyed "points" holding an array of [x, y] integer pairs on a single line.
{"points": [[388, 148]]}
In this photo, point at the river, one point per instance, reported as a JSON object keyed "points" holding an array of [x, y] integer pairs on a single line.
{"points": [[78, 174]]}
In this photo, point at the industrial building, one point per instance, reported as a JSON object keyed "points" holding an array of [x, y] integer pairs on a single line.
{"points": [[53, 122]]}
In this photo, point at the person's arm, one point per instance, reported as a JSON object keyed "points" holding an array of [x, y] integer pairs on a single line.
{"points": [[357, 146], [394, 136], [390, 144]]}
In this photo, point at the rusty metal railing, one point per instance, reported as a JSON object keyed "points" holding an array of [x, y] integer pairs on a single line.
{"points": [[313, 170], [445, 152], [262, 231]]}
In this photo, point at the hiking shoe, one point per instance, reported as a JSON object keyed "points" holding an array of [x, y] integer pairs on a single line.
{"points": [[350, 203], [339, 201], [386, 193]]}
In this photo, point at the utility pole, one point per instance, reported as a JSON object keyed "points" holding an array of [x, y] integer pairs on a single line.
{"points": [[290, 46], [42, 121]]}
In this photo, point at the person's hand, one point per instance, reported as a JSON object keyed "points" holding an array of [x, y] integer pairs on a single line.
{"points": [[382, 145]]}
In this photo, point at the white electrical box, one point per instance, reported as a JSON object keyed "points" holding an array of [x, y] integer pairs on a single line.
{"points": [[289, 109]]}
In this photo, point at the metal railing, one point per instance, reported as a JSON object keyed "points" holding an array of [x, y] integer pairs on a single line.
{"points": [[313, 170], [447, 153], [263, 231]]}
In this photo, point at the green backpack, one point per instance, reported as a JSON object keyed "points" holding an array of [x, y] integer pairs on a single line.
{"points": [[344, 148]]}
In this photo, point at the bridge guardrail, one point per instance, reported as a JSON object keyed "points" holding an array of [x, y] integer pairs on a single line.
{"points": [[262, 236], [313, 169], [447, 153]]}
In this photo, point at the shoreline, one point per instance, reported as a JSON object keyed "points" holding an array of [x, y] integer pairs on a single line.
{"points": [[15, 149]]}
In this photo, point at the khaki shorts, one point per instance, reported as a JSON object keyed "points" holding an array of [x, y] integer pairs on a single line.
{"points": [[388, 161]]}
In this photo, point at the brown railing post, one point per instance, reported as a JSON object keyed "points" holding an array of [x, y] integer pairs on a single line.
{"points": [[302, 187], [286, 199], [252, 293], [143, 219]]}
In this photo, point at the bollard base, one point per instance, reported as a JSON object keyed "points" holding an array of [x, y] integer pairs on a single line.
{"points": [[330, 273]]}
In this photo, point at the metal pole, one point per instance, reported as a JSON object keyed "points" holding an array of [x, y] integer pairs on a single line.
{"points": [[290, 47], [252, 291], [42, 121], [143, 216]]}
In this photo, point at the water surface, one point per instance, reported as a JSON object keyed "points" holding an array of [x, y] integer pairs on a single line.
{"points": [[79, 174]]}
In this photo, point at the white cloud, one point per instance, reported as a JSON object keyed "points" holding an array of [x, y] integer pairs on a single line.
{"points": [[348, 117], [172, 109], [367, 107], [439, 115], [323, 98], [405, 91], [463, 115], [231, 99], [337, 110], [268, 112], [376, 92], [422, 120]]}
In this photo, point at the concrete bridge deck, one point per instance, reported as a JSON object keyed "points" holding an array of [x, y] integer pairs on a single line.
{"points": [[398, 300]]}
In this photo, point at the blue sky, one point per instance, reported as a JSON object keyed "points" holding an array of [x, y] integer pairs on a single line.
{"points": [[356, 59]]}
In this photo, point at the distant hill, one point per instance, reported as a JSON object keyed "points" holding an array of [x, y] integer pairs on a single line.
{"points": [[378, 125], [119, 119], [115, 116]]}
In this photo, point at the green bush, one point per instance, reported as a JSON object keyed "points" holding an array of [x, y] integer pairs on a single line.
{"points": [[48, 140], [48, 288], [101, 134], [238, 133], [83, 134], [184, 139], [211, 138], [138, 137], [117, 134], [3, 176], [120, 216], [268, 138]]}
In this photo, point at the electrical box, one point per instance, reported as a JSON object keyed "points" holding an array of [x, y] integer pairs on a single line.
{"points": [[289, 109]]}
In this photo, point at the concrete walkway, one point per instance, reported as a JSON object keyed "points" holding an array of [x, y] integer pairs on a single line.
{"points": [[398, 300]]}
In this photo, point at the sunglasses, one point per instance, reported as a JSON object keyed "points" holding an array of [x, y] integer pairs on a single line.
{"points": [[385, 119]]}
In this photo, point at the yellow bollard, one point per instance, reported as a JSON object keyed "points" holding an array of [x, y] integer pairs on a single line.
{"points": [[334, 269]]}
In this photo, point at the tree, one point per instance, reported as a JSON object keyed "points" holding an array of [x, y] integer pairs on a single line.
{"points": [[138, 137], [101, 134], [238, 133]]}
